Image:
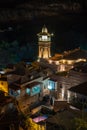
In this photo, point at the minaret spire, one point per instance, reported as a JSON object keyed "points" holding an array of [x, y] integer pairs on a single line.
{"points": [[44, 42]]}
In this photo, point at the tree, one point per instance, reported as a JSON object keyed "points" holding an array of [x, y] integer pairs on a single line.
{"points": [[81, 124]]}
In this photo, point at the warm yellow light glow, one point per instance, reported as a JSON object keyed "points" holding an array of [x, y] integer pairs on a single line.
{"points": [[4, 86], [57, 62], [62, 67], [64, 61], [35, 126], [81, 60], [70, 62], [44, 38], [62, 93], [45, 54], [50, 61]]}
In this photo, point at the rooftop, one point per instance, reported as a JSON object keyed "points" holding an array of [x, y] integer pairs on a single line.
{"points": [[64, 119], [81, 67], [81, 89], [75, 54], [32, 84]]}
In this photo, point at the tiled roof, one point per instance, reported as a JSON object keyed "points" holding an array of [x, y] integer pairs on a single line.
{"points": [[31, 85], [21, 80], [81, 89], [53, 79], [3, 79], [81, 68], [76, 54], [69, 81], [5, 99], [14, 87]]}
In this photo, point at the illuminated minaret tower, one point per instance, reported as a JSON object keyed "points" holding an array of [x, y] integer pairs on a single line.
{"points": [[44, 42]]}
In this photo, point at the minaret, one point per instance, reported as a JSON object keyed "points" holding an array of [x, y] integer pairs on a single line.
{"points": [[44, 42]]}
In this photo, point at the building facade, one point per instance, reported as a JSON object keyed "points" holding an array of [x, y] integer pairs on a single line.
{"points": [[4, 85]]}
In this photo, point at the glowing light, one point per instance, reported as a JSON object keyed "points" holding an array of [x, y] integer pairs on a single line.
{"points": [[57, 62], [68, 96], [35, 90], [70, 62], [40, 118], [4, 86], [38, 60], [81, 60], [28, 91], [45, 54], [64, 61], [44, 38], [62, 67], [62, 93], [50, 87], [2, 72], [18, 91], [50, 61]]}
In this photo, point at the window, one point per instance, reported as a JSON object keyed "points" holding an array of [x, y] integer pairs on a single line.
{"points": [[18, 91], [51, 85], [44, 38], [35, 90], [28, 91]]}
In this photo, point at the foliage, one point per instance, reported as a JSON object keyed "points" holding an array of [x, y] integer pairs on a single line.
{"points": [[81, 124], [12, 52], [25, 122]]}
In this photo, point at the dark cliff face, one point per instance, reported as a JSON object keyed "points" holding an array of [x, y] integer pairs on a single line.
{"points": [[19, 10], [14, 3]]}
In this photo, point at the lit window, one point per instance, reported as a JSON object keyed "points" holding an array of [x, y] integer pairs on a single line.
{"points": [[51, 85], [18, 91], [44, 38], [15, 93], [28, 91], [35, 90]]}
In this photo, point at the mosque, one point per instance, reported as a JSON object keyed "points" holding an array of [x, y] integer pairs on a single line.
{"points": [[64, 61]]}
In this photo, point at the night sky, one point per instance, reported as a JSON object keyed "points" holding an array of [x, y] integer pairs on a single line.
{"points": [[21, 20]]}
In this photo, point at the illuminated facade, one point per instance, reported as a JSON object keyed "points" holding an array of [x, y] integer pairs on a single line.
{"points": [[44, 41], [36, 126], [4, 85], [68, 59]]}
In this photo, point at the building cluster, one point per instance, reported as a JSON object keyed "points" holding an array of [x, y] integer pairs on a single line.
{"points": [[62, 77]]}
